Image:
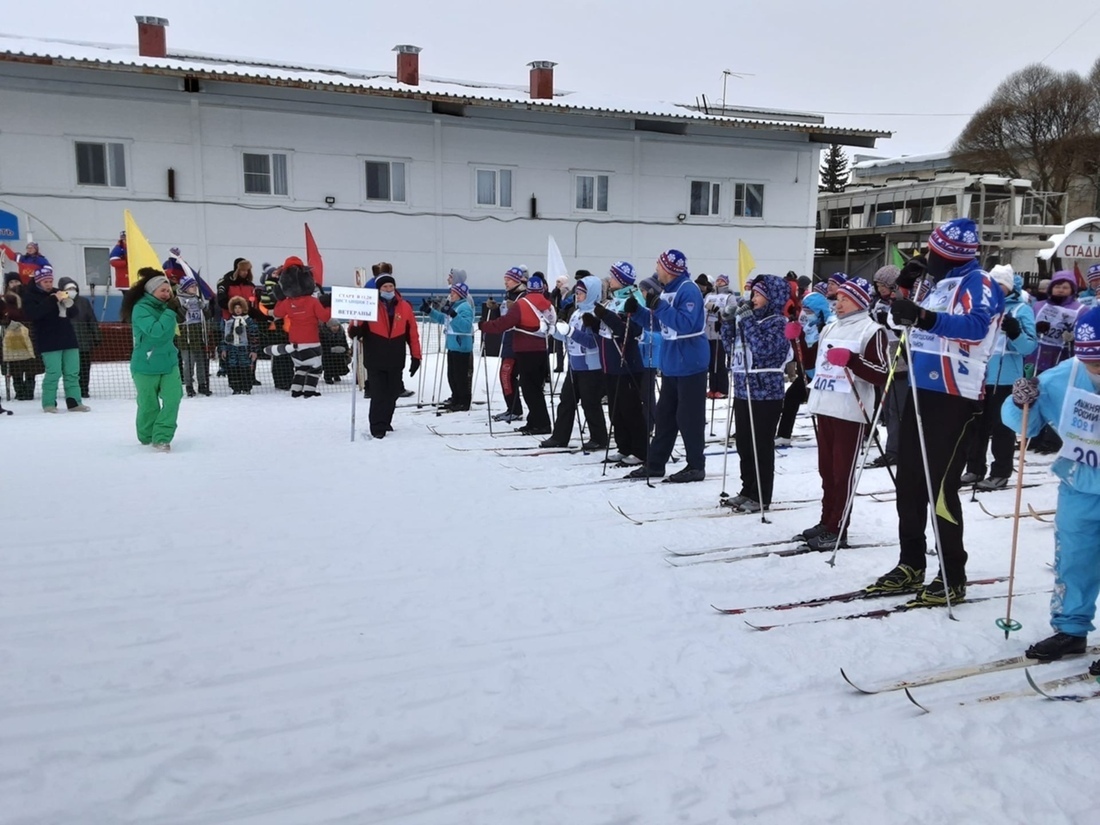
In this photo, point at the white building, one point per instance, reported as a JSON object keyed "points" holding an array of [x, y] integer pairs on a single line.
{"points": [[228, 157]]}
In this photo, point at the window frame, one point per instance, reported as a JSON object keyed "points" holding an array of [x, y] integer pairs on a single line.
{"points": [[109, 161], [364, 160], [714, 211], [742, 187], [271, 173], [596, 178], [498, 172]]}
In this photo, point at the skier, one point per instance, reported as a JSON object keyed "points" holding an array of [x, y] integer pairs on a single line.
{"points": [[813, 316], [584, 382], [1088, 297], [714, 302], [625, 380], [951, 327], [682, 407], [1067, 397], [1015, 341], [755, 334], [886, 281], [458, 323], [851, 361], [530, 318], [514, 281], [1054, 321]]}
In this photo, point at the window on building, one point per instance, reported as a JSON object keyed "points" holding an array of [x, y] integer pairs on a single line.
{"points": [[97, 272], [591, 193], [748, 200], [265, 173], [100, 164], [494, 187], [386, 181], [705, 197]]}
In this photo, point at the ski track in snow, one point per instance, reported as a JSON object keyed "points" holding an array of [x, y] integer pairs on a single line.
{"points": [[272, 625]]}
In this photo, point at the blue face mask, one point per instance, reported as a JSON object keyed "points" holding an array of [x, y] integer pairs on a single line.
{"points": [[810, 328], [387, 296]]}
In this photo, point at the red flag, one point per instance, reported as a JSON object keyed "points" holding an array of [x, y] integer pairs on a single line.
{"points": [[314, 260], [1081, 282]]}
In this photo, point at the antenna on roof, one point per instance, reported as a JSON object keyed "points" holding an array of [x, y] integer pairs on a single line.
{"points": [[726, 76]]}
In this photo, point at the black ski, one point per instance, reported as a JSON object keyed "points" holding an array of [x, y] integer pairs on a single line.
{"points": [[1045, 689], [779, 550]]}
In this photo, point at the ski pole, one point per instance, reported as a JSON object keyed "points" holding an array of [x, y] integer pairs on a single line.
{"points": [[713, 398], [867, 421], [354, 393], [1007, 624], [752, 427], [724, 496]]}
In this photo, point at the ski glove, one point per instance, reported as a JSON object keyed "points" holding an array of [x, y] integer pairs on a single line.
{"points": [[1010, 326], [1042, 327], [591, 321], [882, 316], [838, 356], [792, 331], [906, 313], [414, 365], [1025, 391], [909, 274], [599, 310], [631, 305]]}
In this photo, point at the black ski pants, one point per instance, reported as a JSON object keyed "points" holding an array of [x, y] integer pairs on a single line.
{"points": [[588, 385], [534, 369], [948, 426], [460, 377], [385, 388], [628, 416], [750, 451], [681, 408], [989, 426]]}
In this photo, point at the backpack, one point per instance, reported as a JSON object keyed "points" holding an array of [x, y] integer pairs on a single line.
{"points": [[547, 318]]}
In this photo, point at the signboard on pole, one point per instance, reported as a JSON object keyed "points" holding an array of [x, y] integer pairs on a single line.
{"points": [[9, 226], [351, 304]]}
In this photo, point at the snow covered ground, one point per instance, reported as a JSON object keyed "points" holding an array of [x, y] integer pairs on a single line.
{"points": [[274, 625]]}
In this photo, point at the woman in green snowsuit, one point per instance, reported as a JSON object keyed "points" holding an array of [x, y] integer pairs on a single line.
{"points": [[153, 311]]}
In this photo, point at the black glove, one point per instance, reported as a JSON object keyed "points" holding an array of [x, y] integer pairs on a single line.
{"points": [[425, 307], [173, 304], [599, 310], [631, 305], [906, 313], [651, 299], [909, 274], [414, 365], [357, 331], [882, 316], [1010, 326], [452, 312], [717, 326], [591, 321], [1042, 327], [326, 299]]}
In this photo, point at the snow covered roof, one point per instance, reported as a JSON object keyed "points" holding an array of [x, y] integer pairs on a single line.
{"points": [[903, 160], [43, 51]]}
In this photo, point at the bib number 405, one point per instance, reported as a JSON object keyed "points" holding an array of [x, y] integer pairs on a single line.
{"points": [[826, 384]]}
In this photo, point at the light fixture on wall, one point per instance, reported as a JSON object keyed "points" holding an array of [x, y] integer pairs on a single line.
{"points": [[330, 200], [681, 217]]}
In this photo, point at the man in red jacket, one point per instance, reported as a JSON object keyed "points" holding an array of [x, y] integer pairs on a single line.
{"points": [[531, 319]]}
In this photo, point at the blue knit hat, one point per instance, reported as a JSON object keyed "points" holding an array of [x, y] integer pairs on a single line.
{"points": [[623, 272], [956, 240], [674, 262], [1093, 273], [460, 288], [857, 289], [535, 283]]}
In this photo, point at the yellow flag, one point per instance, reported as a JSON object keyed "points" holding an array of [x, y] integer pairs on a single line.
{"points": [[139, 252], [745, 263]]}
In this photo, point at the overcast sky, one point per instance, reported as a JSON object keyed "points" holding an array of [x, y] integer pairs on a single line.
{"points": [[865, 63]]}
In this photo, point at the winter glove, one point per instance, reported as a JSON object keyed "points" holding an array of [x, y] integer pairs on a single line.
{"points": [[744, 310], [906, 313], [1067, 336], [792, 331], [563, 329], [591, 321], [909, 274], [882, 316], [414, 365], [452, 312], [175, 250], [631, 305], [425, 307], [1010, 326], [718, 326], [651, 299], [838, 356], [1025, 391], [599, 310], [1042, 327], [325, 300]]}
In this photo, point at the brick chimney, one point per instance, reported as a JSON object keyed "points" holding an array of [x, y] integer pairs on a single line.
{"points": [[408, 65], [542, 79], [151, 39]]}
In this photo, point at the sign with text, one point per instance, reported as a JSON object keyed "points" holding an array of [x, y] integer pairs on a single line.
{"points": [[353, 304], [9, 226]]}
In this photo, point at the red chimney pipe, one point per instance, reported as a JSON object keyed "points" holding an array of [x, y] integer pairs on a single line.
{"points": [[151, 39], [542, 79], [408, 65]]}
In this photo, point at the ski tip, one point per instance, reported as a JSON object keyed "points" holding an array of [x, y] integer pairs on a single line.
{"points": [[909, 696], [760, 627], [854, 685]]}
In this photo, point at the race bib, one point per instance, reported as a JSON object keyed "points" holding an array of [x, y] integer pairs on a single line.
{"points": [[1080, 425], [829, 377], [1060, 320]]}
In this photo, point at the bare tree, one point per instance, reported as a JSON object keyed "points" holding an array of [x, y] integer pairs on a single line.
{"points": [[1039, 124]]}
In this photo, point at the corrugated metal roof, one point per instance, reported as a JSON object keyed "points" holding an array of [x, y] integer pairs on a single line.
{"points": [[232, 69]]}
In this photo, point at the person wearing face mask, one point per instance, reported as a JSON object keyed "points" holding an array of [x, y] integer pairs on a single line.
{"points": [[51, 311], [153, 312], [1088, 297], [1067, 397], [886, 281], [88, 336], [1054, 320], [803, 335], [950, 318]]}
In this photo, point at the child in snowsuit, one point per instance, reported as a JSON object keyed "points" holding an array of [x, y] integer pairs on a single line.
{"points": [[1067, 397], [241, 346], [334, 353], [192, 336]]}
